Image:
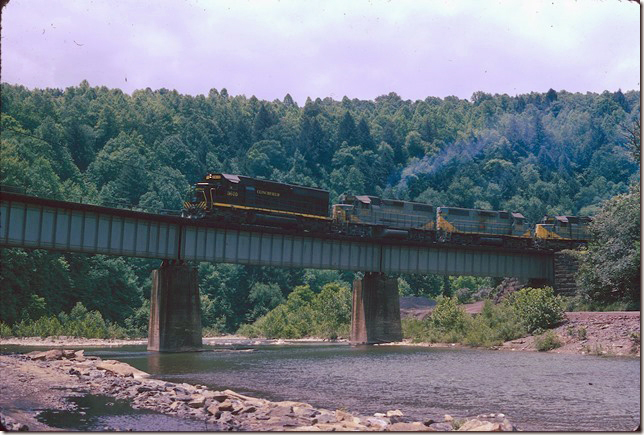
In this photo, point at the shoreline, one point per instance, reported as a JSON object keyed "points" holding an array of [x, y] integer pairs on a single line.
{"points": [[43, 380], [608, 333]]}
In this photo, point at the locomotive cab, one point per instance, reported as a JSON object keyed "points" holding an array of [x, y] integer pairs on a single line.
{"points": [[341, 213]]}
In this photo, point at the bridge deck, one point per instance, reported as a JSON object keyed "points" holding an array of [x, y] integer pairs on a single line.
{"points": [[36, 223]]}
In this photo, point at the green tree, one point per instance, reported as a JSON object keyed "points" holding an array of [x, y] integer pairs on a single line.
{"points": [[263, 298], [610, 270]]}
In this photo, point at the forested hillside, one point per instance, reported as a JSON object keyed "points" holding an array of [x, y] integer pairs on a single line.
{"points": [[553, 152]]}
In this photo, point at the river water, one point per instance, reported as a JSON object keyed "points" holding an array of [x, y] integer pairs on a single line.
{"points": [[537, 391]]}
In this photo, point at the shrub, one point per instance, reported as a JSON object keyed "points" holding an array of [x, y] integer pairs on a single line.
{"points": [[582, 333], [447, 315], [413, 329], [327, 314], [137, 324], [5, 330], [537, 307], [332, 311], [463, 295], [547, 341], [79, 323]]}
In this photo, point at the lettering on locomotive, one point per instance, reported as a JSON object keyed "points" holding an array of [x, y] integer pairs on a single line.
{"points": [[264, 192]]}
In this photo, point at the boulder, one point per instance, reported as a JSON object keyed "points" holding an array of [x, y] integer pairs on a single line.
{"points": [[395, 413], [377, 422], [305, 412], [143, 388], [341, 415], [197, 401], [226, 406], [120, 369], [330, 427], [448, 418], [324, 419], [477, 425], [507, 426], [219, 397], [408, 427], [305, 429], [213, 409], [279, 411], [347, 425], [48, 355], [248, 409], [441, 427]]}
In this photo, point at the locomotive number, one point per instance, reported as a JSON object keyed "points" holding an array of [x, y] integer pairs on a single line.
{"points": [[232, 193]]}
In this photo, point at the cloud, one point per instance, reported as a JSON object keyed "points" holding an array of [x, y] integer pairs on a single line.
{"points": [[360, 49]]}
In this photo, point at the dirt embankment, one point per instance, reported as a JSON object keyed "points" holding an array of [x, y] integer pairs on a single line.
{"points": [[592, 333], [582, 332], [41, 380]]}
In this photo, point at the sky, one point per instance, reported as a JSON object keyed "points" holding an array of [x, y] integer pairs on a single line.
{"points": [[359, 49]]}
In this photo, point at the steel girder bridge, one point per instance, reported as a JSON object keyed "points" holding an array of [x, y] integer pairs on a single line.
{"points": [[175, 322]]}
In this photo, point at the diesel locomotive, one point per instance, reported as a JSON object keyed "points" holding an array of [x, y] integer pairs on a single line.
{"points": [[236, 199], [239, 199]]}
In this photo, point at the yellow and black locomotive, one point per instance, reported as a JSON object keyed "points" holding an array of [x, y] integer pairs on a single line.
{"points": [[239, 199]]}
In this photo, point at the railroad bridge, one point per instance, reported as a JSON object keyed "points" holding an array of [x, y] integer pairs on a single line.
{"points": [[36, 223]]}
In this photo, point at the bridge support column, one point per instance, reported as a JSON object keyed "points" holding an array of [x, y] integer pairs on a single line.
{"points": [[375, 317], [175, 317], [566, 268]]}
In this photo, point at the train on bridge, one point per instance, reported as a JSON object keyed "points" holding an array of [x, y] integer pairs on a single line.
{"points": [[237, 199]]}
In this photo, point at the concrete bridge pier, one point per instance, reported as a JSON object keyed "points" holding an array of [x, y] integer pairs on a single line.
{"points": [[175, 316], [375, 316]]}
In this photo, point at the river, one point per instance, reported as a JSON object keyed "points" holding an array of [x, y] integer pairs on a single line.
{"points": [[537, 391]]}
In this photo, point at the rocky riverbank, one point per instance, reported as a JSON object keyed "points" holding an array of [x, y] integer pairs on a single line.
{"points": [[610, 333], [42, 380]]}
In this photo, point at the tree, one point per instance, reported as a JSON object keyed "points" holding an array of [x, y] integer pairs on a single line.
{"points": [[363, 136], [347, 130], [610, 270], [264, 119], [414, 145], [263, 298]]}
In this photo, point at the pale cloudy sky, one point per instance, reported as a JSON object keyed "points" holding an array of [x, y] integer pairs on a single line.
{"points": [[361, 49]]}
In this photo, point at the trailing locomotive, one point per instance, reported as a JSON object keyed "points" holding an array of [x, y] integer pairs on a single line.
{"points": [[482, 227], [369, 216], [237, 199], [561, 232]]}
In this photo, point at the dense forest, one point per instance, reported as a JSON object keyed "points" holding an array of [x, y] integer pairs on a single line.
{"points": [[538, 153]]}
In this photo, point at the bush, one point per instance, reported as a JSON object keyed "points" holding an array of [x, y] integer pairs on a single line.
{"points": [[447, 315], [538, 308], [78, 323], [136, 325], [5, 330], [547, 341], [325, 315], [332, 311], [450, 324], [413, 329]]}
